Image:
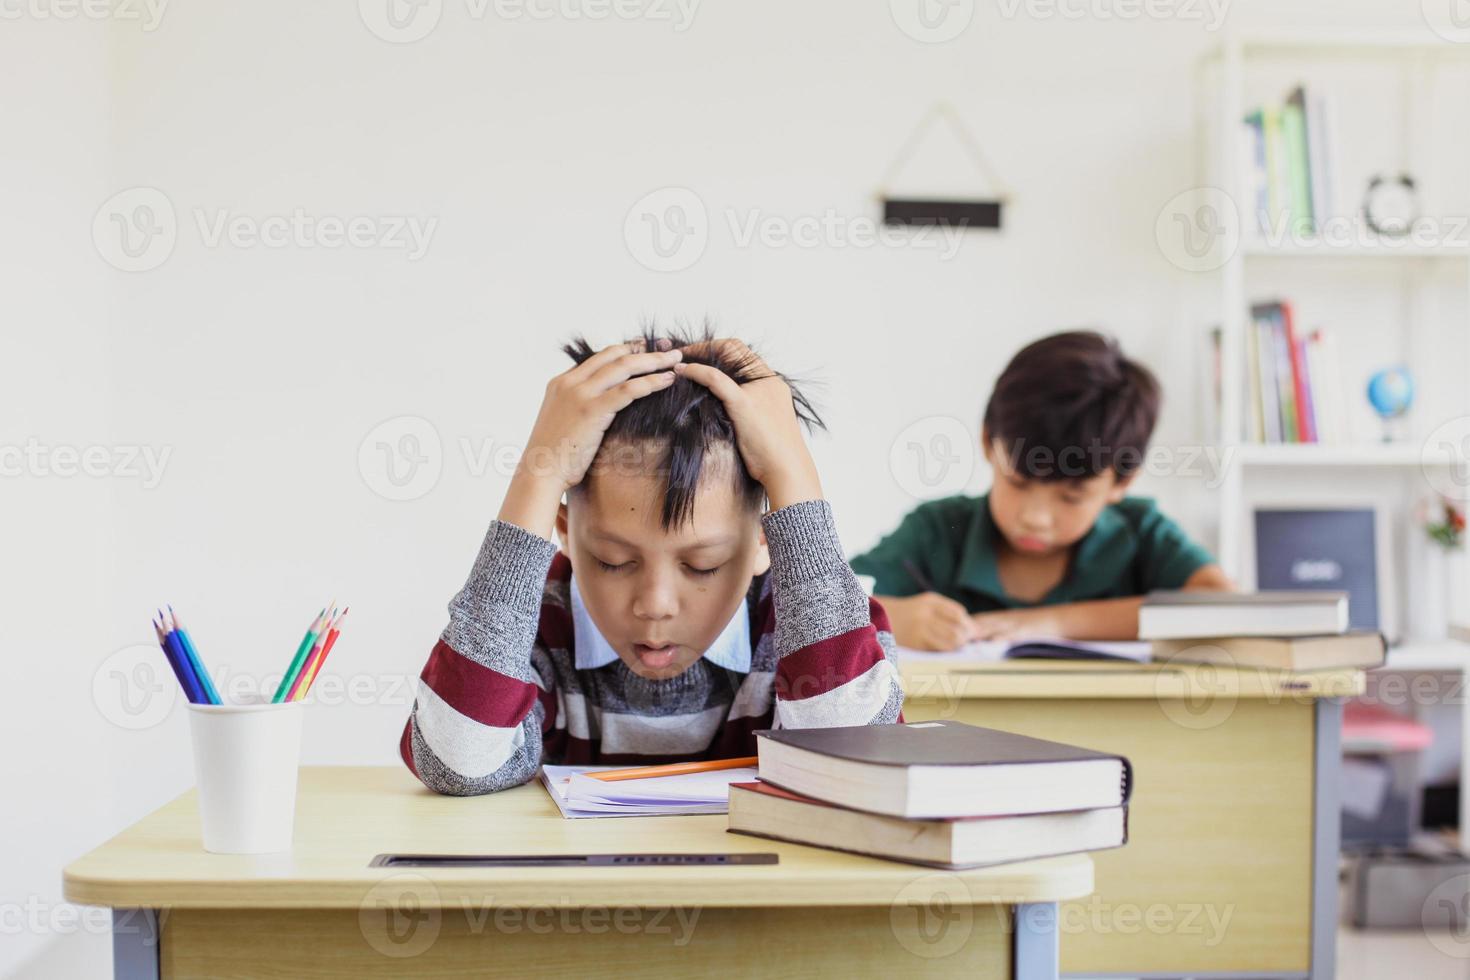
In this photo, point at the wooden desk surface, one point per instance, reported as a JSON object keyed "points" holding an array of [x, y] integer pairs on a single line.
{"points": [[934, 678], [347, 815]]}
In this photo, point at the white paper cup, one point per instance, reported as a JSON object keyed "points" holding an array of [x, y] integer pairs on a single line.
{"points": [[245, 764]]}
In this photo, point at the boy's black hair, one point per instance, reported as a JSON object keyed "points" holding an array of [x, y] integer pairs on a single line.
{"points": [[685, 421], [1072, 406]]}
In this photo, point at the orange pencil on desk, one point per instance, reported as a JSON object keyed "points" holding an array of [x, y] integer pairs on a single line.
{"points": [[673, 769]]}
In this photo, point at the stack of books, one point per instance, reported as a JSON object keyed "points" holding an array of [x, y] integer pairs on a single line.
{"points": [[1289, 165], [1285, 630], [937, 793], [1295, 384]]}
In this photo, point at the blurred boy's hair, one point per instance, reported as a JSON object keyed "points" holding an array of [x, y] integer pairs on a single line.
{"points": [[1072, 406], [683, 424]]}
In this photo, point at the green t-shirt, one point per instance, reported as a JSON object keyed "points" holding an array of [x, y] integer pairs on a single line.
{"points": [[949, 546]]}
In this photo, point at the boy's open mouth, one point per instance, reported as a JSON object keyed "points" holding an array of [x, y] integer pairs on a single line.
{"points": [[656, 658]]}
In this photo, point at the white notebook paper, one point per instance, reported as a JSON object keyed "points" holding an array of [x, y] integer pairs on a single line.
{"points": [[994, 651], [577, 795]]}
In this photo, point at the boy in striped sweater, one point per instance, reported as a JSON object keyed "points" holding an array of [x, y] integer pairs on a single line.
{"points": [[679, 619]]}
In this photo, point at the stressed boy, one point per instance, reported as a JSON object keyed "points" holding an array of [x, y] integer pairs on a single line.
{"points": [[679, 618], [1056, 547]]}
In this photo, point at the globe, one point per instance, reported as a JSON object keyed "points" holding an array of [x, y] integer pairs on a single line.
{"points": [[1391, 392]]}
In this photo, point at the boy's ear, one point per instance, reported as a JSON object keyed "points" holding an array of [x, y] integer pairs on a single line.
{"points": [[1120, 487], [561, 525], [762, 556]]}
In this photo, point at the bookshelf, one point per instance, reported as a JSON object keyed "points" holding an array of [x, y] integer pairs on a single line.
{"points": [[1261, 269]]}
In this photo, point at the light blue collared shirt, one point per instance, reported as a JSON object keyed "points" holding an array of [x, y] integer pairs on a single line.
{"points": [[730, 650]]}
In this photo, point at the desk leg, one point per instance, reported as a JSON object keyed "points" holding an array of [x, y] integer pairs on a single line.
{"points": [[136, 944], [1035, 954], [1326, 836]]}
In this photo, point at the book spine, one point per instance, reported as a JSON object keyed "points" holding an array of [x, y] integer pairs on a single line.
{"points": [[1294, 126], [1257, 176], [1301, 401], [1285, 384], [1256, 422], [1270, 391]]}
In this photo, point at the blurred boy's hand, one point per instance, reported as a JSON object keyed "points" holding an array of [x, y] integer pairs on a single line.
{"points": [[576, 411], [766, 427], [1002, 624], [929, 621]]}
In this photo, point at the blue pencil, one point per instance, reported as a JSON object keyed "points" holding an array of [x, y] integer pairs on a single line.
{"points": [[171, 657], [200, 670], [180, 662]]}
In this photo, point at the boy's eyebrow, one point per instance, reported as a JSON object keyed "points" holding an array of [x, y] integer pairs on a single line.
{"points": [[717, 542]]}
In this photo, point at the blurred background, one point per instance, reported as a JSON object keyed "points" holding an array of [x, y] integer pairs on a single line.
{"points": [[282, 285]]}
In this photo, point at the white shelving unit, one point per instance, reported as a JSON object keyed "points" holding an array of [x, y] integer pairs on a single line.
{"points": [[1336, 468]]}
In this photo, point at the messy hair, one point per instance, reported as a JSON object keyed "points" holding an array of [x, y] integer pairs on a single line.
{"points": [[1073, 406], [683, 423]]}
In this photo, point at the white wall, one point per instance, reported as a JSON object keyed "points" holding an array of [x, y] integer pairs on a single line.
{"points": [[261, 371]]}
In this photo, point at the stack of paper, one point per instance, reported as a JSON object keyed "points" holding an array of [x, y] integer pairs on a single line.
{"points": [[579, 795]]}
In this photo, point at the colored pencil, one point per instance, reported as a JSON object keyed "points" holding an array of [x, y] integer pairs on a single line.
{"points": [[172, 657], [297, 661], [200, 670], [311, 655], [673, 769], [314, 662], [193, 690]]}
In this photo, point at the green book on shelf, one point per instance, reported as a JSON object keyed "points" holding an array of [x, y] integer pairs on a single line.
{"points": [[1298, 167]]}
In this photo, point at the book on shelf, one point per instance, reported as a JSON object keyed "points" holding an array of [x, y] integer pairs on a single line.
{"points": [[1293, 381], [1287, 163]]}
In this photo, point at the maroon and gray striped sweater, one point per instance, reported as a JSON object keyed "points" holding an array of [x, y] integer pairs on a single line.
{"points": [[501, 693]]}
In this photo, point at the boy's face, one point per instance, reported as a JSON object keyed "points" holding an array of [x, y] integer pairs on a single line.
{"points": [[661, 596], [1044, 517]]}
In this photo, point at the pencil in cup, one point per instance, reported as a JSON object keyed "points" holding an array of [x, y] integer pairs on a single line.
{"points": [[179, 664], [192, 652], [317, 657], [298, 661]]}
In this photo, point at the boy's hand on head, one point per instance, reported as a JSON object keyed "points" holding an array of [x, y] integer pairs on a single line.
{"points": [[767, 430], [576, 411], [929, 621]]}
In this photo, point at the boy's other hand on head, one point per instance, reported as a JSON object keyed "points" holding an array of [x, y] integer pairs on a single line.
{"points": [[767, 430], [929, 621], [576, 411]]}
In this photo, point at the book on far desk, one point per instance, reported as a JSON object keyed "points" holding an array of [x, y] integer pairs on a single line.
{"points": [[1175, 615], [940, 769], [763, 810], [1032, 648], [1362, 649]]}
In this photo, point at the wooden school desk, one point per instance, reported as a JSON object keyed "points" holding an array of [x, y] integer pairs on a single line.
{"points": [[1231, 865], [321, 910]]}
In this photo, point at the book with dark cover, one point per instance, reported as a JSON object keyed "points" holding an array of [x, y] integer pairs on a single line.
{"points": [[941, 768]]}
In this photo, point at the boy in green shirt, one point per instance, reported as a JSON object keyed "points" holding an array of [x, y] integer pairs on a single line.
{"points": [[1056, 548]]}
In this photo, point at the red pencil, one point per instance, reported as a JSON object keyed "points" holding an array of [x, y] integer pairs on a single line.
{"points": [[314, 663], [293, 693]]}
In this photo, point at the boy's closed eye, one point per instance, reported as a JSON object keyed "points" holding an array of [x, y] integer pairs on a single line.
{"points": [[626, 566]]}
